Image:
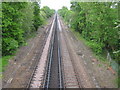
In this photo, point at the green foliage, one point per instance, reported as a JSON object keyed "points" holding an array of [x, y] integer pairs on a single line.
{"points": [[63, 11], [97, 47], [19, 21], [10, 45], [37, 20], [27, 20], [96, 22], [48, 12], [12, 34], [4, 62]]}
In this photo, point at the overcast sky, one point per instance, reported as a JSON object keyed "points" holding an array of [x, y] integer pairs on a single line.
{"points": [[55, 4]]}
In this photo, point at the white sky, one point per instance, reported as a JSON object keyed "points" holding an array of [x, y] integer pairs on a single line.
{"points": [[55, 4]]}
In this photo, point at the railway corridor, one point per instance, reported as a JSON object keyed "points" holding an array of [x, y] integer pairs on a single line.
{"points": [[73, 71], [56, 63], [59, 66]]}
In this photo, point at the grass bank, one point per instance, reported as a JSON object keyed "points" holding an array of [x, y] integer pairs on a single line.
{"points": [[4, 62]]}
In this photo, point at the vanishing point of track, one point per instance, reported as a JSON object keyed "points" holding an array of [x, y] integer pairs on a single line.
{"points": [[54, 70]]}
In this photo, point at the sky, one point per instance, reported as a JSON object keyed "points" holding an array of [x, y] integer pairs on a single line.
{"points": [[55, 4]]}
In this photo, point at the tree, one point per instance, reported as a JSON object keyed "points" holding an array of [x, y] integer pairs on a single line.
{"points": [[12, 34], [19, 20], [37, 19], [49, 12], [97, 23]]}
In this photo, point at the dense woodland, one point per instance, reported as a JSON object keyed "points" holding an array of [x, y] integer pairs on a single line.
{"points": [[98, 23], [19, 21]]}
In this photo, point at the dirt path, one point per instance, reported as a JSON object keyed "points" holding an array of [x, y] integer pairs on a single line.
{"points": [[88, 67], [19, 70]]}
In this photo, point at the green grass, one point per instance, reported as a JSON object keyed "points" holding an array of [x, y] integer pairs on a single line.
{"points": [[1, 76], [4, 62], [117, 82]]}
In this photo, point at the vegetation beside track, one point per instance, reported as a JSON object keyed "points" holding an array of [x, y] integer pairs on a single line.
{"points": [[98, 23], [20, 21]]}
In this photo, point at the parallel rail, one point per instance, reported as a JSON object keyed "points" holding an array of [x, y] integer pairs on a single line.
{"points": [[49, 66], [71, 76], [37, 61], [48, 82], [54, 73]]}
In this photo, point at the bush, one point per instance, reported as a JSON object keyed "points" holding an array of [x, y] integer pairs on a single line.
{"points": [[96, 47], [10, 45]]}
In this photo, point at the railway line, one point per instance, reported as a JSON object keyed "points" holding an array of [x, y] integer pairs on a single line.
{"points": [[71, 77], [54, 75], [37, 76], [55, 68]]}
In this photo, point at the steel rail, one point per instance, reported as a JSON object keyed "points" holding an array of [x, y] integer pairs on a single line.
{"points": [[59, 59], [47, 81], [49, 63], [47, 77], [48, 68], [36, 64], [74, 66]]}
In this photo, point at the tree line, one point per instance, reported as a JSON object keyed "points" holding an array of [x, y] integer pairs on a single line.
{"points": [[19, 21], [98, 23]]}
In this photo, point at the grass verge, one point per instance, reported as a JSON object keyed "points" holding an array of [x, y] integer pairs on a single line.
{"points": [[4, 62]]}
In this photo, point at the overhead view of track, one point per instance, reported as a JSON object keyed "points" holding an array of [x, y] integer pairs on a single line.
{"points": [[53, 69], [54, 75], [59, 44], [57, 65], [37, 77]]}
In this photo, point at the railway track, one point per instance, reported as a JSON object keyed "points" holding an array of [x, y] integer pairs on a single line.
{"points": [[70, 74], [48, 69], [54, 71], [36, 78], [55, 68]]}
